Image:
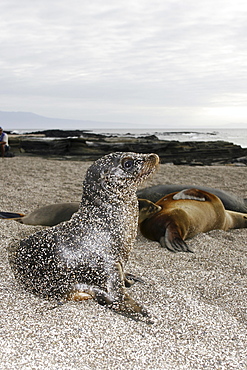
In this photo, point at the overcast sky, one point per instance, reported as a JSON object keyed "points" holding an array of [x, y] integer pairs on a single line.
{"points": [[158, 63]]}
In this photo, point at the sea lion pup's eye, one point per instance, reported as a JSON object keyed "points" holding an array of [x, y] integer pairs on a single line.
{"points": [[127, 163]]}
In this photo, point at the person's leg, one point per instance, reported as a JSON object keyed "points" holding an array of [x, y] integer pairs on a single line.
{"points": [[2, 150]]}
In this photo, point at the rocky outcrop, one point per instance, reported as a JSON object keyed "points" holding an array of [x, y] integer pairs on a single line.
{"points": [[87, 146]]}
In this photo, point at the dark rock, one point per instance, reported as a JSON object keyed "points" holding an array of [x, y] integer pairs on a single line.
{"points": [[92, 146], [149, 137], [241, 160]]}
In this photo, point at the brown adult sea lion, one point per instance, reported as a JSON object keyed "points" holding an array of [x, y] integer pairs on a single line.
{"points": [[231, 202], [185, 214], [86, 256]]}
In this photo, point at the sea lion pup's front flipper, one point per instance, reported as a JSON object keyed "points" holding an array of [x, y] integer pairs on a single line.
{"points": [[114, 296], [131, 279], [172, 240]]}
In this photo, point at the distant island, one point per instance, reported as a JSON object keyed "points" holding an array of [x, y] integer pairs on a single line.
{"points": [[30, 121]]}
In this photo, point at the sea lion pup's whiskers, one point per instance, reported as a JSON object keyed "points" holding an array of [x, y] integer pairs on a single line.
{"points": [[86, 256]]}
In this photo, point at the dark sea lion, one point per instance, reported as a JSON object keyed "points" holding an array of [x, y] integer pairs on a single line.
{"points": [[185, 214], [54, 214], [49, 215], [85, 257], [230, 201]]}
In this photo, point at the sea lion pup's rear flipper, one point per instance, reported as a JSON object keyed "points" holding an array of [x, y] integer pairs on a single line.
{"points": [[115, 295], [83, 292], [11, 216], [172, 240], [131, 279]]}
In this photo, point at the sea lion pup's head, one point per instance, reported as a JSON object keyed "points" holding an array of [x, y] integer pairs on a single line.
{"points": [[119, 173]]}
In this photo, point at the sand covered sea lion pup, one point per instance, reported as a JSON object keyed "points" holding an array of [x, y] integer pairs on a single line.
{"points": [[86, 256], [185, 214]]}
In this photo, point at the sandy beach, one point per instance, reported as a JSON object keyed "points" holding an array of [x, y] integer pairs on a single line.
{"points": [[198, 301]]}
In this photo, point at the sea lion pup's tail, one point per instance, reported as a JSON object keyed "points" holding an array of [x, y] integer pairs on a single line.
{"points": [[11, 216]]}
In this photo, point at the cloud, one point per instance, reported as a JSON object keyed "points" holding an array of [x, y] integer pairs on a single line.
{"points": [[148, 60]]}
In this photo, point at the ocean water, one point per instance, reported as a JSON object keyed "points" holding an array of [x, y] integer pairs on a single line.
{"points": [[236, 136]]}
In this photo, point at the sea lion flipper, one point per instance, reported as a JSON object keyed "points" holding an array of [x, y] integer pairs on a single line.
{"points": [[86, 291], [132, 308], [122, 302], [131, 279], [115, 296], [11, 215], [173, 241]]}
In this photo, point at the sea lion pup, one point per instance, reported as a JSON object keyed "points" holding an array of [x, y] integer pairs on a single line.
{"points": [[185, 214], [230, 201], [85, 256], [53, 214], [49, 215]]}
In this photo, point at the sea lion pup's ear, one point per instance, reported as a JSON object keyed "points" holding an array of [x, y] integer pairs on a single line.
{"points": [[147, 209], [193, 194]]}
